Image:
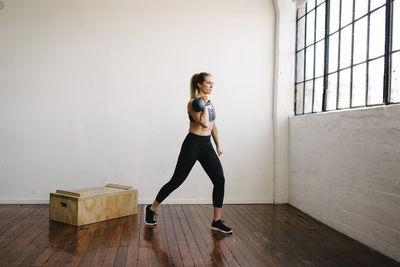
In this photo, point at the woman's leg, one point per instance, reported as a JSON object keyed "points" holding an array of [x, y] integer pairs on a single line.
{"points": [[187, 158], [212, 165], [217, 213]]}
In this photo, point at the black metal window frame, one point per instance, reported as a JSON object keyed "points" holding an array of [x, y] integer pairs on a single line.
{"points": [[388, 6]]}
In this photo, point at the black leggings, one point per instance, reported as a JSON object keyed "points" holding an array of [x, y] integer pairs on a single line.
{"points": [[196, 147]]}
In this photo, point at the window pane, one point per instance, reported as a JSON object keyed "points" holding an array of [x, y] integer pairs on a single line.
{"points": [[308, 97], [361, 8], [310, 62], [331, 92], [299, 98], [334, 15], [319, 58], [347, 12], [318, 92], [300, 33], [320, 22], [395, 91], [301, 11], [333, 52], [377, 33], [344, 89], [377, 3], [300, 66], [360, 41], [310, 4], [310, 27], [396, 25], [359, 88], [375, 82], [320, 1], [345, 47]]}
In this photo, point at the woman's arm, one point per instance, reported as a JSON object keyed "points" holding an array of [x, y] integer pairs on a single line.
{"points": [[201, 117], [214, 134]]}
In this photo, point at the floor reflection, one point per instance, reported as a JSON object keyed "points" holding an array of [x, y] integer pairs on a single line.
{"points": [[61, 234], [78, 239], [151, 236], [216, 254]]}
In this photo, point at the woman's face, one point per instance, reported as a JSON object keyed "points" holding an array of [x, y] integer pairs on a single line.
{"points": [[207, 85]]}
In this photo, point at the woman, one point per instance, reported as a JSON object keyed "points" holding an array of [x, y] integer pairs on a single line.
{"points": [[197, 146]]}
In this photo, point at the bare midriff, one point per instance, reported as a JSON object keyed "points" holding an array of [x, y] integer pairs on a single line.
{"points": [[196, 128]]}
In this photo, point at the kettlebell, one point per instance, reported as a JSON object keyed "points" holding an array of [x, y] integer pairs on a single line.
{"points": [[198, 104]]}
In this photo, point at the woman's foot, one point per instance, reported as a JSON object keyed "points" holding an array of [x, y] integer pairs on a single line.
{"points": [[149, 216], [220, 226]]}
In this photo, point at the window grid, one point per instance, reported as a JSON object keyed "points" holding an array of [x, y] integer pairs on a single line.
{"points": [[305, 60], [339, 54], [388, 54], [352, 57], [345, 68], [309, 11], [326, 58], [367, 56], [345, 26], [338, 69]]}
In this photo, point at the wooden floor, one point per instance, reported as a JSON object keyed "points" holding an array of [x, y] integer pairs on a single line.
{"points": [[264, 235]]}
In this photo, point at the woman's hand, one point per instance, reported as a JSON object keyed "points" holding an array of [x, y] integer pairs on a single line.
{"points": [[219, 151]]}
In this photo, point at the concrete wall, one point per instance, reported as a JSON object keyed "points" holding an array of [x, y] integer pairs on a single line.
{"points": [[345, 171], [95, 92]]}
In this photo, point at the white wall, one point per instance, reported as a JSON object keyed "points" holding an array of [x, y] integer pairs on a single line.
{"points": [[345, 171], [285, 32], [93, 92]]}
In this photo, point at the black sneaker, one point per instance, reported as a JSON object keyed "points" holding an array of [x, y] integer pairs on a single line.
{"points": [[149, 215], [220, 226]]}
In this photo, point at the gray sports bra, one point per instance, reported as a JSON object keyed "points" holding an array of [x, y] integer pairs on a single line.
{"points": [[211, 113]]}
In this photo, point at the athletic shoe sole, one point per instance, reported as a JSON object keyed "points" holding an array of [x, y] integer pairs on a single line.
{"points": [[220, 230], [144, 217]]}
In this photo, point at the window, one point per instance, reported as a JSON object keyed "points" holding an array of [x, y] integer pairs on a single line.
{"points": [[347, 55]]}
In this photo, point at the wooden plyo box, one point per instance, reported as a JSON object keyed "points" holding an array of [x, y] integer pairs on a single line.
{"points": [[90, 205]]}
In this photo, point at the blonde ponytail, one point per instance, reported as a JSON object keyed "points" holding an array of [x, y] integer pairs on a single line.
{"points": [[197, 78]]}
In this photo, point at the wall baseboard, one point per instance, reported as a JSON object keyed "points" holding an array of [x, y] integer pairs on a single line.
{"points": [[23, 201], [147, 201]]}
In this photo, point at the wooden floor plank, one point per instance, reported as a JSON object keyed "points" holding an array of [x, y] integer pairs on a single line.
{"points": [[16, 225], [260, 241], [253, 246], [79, 245], [133, 246], [102, 248], [55, 246], [94, 243], [122, 253], [290, 243], [204, 238], [19, 213], [157, 239], [264, 235], [199, 233], [40, 222], [163, 242], [221, 250], [174, 253], [114, 242], [144, 247], [6, 213], [21, 244], [187, 259], [193, 248], [38, 245]]}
